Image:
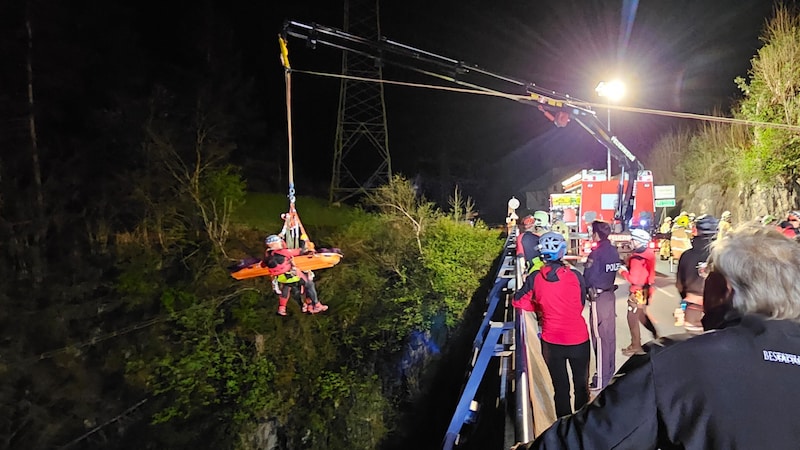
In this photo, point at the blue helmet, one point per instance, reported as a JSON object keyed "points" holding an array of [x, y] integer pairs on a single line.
{"points": [[707, 225], [552, 246]]}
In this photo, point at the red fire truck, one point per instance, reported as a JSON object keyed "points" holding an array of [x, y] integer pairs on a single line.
{"points": [[589, 195]]}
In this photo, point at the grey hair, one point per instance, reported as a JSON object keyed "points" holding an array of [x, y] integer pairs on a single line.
{"points": [[762, 267]]}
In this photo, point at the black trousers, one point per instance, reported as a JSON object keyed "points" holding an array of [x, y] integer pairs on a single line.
{"points": [[556, 356]]}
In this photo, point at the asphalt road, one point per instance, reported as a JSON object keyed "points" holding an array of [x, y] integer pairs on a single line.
{"points": [[660, 310]]}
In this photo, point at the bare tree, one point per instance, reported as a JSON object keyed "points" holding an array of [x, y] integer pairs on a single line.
{"points": [[39, 229]]}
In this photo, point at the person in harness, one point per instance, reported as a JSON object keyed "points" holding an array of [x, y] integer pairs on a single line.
{"points": [[641, 274], [528, 241], [718, 390], [287, 280], [558, 293]]}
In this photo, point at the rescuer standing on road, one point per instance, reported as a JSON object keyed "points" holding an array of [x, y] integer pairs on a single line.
{"points": [[600, 272], [724, 224], [528, 242], [719, 390], [558, 299], [691, 275], [664, 250], [641, 274]]}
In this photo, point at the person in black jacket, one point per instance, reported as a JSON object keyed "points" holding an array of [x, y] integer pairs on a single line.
{"points": [[600, 273], [690, 278], [719, 390]]}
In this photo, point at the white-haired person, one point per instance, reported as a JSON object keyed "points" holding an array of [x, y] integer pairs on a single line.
{"points": [[722, 389]]}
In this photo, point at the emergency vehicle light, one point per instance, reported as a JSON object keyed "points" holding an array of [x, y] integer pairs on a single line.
{"points": [[571, 179]]}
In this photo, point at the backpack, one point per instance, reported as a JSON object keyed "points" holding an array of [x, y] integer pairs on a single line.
{"points": [[277, 263]]}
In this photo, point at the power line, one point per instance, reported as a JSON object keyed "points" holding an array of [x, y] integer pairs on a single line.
{"points": [[518, 97], [104, 424], [122, 331]]}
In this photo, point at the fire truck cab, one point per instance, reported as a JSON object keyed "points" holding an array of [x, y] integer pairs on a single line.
{"points": [[589, 195]]}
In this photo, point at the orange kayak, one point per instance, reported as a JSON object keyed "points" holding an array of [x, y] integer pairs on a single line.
{"points": [[311, 261]]}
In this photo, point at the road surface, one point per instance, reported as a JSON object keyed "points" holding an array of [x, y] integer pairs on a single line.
{"points": [[660, 310]]}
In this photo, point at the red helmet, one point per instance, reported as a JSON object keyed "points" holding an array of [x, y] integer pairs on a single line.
{"points": [[528, 221]]}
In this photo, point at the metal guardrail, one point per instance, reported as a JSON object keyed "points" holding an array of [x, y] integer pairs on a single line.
{"points": [[524, 428], [522, 368], [488, 343]]}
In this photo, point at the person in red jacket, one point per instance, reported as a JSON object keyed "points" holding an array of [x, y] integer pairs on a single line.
{"points": [[641, 274], [559, 294], [287, 280], [719, 390], [791, 226]]}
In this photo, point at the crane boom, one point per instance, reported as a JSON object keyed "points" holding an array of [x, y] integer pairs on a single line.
{"points": [[560, 109]]}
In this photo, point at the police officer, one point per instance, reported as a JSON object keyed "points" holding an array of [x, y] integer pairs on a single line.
{"points": [[718, 390], [600, 272]]}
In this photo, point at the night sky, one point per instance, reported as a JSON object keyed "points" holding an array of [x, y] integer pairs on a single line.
{"points": [[679, 55], [675, 55]]}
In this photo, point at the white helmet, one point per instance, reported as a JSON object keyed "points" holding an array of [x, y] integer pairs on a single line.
{"points": [[640, 237]]}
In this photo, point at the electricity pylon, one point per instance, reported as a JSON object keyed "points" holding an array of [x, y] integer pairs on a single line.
{"points": [[361, 160]]}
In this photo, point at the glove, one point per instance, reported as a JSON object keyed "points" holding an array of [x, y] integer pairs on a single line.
{"points": [[276, 288]]}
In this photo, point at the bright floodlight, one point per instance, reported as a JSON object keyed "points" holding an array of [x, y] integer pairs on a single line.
{"points": [[612, 90]]}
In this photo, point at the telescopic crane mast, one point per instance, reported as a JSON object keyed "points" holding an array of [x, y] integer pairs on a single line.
{"points": [[560, 109]]}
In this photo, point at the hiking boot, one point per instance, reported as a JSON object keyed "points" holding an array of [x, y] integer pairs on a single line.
{"points": [[318, 308], [633, 350], [281, 310]]}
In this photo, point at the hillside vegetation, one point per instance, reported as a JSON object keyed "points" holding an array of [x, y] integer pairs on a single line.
{"points": [[178, 354], [751, 170]]}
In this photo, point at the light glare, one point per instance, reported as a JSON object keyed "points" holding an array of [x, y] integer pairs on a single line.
{"points": [[613, 90]]}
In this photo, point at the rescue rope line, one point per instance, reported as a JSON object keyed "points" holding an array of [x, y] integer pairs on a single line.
{"points": [[293, 230], [518, 97], [288, 78]]}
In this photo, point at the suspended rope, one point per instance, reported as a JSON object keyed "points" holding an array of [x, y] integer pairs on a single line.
{"points": [[293, 231], [519, 97]]}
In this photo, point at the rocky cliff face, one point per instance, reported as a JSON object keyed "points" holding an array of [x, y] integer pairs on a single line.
{"points": [[745, 202]]}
